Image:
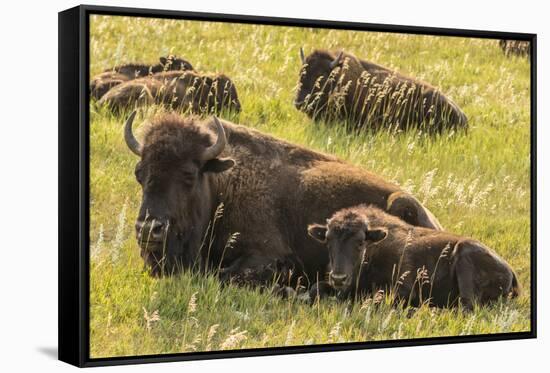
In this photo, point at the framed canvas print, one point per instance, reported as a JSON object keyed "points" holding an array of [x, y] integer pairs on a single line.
{"points": [[235, 186]]}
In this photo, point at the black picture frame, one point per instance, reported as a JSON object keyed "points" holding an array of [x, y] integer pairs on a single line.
{"points": [[74, 183]]}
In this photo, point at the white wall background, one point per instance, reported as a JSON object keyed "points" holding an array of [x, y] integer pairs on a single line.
{"points": [[28, 183]]}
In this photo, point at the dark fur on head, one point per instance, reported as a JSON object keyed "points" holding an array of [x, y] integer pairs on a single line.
{"points": [[177, 196], [346, 219], [171, 138]]}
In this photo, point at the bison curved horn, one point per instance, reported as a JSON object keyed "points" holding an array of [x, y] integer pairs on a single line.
{"points": [[302, 55], [129, 137], [214, 150], [336, 60]]}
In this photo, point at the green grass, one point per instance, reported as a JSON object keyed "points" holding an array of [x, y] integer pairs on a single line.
{"points": [[477, 184]]}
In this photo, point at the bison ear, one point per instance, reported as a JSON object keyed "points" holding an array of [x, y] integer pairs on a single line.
{"points": [[318, 232], [336, 61], [218, 165], [376, 234]]}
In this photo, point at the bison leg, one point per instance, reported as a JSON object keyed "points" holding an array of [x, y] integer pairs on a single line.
{"points": [[320, 290], [409, 209]]}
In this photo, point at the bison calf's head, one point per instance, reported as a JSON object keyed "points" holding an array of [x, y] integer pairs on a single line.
{"points": [[346, 237], [317, 78], [178, 159]]}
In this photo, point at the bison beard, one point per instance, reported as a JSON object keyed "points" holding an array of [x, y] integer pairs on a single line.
{"points": [[269, 189]]}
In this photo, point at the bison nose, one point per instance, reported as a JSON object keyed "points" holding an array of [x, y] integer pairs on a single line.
{"points": [[338, 279], [151, 230]]}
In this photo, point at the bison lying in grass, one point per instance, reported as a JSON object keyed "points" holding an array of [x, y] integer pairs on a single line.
{"points": [[269, 190], [178, 90], [515, 47], [110, 78], [371, 250], [343, 87]]}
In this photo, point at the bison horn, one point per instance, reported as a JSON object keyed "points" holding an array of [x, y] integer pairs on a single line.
{"points": [[302, 56], [216, 149], [336, 60], [129, 137]]}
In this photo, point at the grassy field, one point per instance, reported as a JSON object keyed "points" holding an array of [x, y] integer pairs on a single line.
{"points": [[477, 184]]}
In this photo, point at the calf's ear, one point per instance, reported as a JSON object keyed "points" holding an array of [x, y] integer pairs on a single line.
{"points": [[217, 165], [318, 232], [376, 234]]}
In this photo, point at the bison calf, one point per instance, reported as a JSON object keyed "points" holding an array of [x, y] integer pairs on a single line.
{"points": [[110, 78], [177, 90], [344, 87], [370, 250]]}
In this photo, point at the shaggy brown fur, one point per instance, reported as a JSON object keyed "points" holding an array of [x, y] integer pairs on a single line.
{"points": [[372, 250], [112, 77], [183, 91], [370, 95], [515, 47], [269, 189]]}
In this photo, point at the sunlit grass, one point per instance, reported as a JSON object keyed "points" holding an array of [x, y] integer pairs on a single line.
{"points": [[477, 184]]}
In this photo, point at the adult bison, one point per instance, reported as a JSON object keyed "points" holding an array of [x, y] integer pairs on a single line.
{"points": [[344, 87], [269, 190], [178, 90], [114, 76], [370, 250]]}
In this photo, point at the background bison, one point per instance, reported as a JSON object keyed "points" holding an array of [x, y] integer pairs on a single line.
{"points": [[112, 77], [371, 250], [338, 85], [269, 190], [183, 91], [515, 47]]}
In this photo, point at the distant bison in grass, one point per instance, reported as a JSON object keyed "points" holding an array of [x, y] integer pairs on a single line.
{"points": [[343, 87], [110, 78], [515, 47], [370, 250], [178, 90]]}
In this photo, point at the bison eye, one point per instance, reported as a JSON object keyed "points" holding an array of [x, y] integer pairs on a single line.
{"points": [[139, 173]]}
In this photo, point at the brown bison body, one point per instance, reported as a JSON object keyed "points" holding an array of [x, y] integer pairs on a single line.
{"points": [[371, 250], [341, 86], [515, 47], [269, 190], [177, 90], [110, 78]]}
